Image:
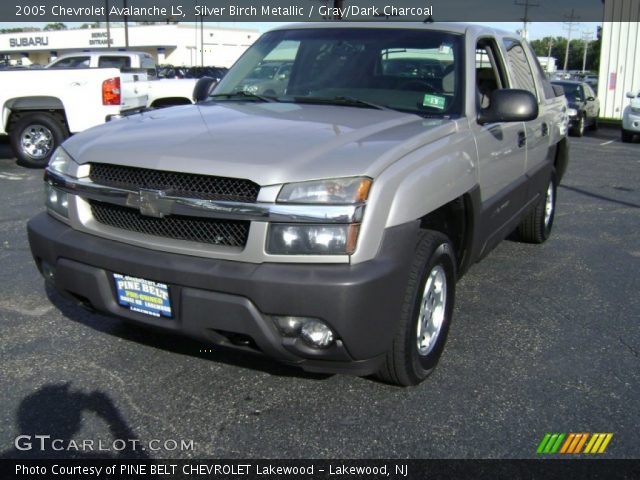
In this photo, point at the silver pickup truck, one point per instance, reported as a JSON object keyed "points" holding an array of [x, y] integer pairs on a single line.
{"points": [[326, 225]]}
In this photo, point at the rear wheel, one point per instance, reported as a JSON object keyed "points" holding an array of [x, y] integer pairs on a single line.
{"points": [[594, 122], [536, 226], [34, 138], [426, 313]]}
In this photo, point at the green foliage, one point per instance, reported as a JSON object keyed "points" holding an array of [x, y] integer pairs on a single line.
{"points": [[55, 26], [576, 52]]}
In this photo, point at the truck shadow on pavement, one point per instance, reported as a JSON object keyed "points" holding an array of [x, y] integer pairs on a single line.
{"points": [[174, 343], [49, 419]]}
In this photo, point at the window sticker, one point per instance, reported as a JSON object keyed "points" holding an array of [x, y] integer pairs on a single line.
{"points": [[433, 101]]}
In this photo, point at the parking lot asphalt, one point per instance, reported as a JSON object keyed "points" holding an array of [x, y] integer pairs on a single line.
{"points": [[545, 339]]}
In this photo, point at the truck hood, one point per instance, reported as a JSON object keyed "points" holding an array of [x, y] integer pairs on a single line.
{"points": [[269, 143]]}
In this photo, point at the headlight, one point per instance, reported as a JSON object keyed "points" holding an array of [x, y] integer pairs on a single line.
{"points": [[56, 200], [336, 191], [290, 239], [62, 163], [572, 112]]}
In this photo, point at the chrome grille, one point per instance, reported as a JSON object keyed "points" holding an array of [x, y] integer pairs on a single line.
{"points": [[228, 233], [176, 183]]}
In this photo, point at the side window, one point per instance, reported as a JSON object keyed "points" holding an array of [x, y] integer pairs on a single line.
{"points": [[149, 65], [114, 62], [519, 66], [72, 62], [588, 91], [547, 88], [489, 71]]}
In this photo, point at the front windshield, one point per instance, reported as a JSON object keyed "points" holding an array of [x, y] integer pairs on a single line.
{"points": [[412, 70]]}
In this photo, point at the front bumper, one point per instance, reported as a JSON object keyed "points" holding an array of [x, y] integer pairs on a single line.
{"points": [[221, 301]]}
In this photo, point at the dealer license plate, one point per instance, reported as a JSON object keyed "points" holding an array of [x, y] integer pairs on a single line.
{"points": [[143, 296]]}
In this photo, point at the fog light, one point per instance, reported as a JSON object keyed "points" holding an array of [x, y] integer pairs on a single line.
{"points": [[312, 331], [48, 272], [289, 326], [316, 334]]}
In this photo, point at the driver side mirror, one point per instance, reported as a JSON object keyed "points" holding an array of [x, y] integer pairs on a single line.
{"points": [[509, 105], [630, 95]]}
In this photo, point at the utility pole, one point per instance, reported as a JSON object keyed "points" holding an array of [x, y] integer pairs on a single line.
{"points": [[525, 20], [337, 5], [586, 38], [126, 27], [202, 40], [549, 55], [571, 21], [106, 8]]}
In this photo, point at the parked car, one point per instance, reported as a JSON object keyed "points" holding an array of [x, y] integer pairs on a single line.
{"points": [[584, 107], [631, 117], [325, 227]]}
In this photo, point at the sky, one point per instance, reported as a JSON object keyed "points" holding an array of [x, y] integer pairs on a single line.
{"points": [[536, 29]]}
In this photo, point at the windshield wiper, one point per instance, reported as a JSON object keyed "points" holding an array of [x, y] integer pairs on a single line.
{"points": [[341, 100], [243, 95]]}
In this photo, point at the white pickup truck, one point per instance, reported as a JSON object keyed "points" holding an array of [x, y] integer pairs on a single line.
{"points": [[160, 92], [40, 108]]}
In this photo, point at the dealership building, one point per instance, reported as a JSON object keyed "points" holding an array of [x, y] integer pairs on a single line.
{"points": [[619, 57], [176, 44]]}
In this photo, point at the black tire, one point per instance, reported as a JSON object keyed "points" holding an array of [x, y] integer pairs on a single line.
{"points": [[627, 136], [51, 133], [535, 227], [404, 364], [594, 124], [578, 130]]}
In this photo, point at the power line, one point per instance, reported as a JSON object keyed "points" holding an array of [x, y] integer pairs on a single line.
{"points": [[525, 20], [571, 21]]}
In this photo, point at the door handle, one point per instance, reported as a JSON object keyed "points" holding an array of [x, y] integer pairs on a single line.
{"points": [[522, 139], [545, 129]]}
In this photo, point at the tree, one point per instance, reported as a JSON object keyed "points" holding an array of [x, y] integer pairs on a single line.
{"points": [[55, 26], [576, 51], [19, 30]]}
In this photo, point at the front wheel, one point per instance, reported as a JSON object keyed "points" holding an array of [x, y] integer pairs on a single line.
{"points": [[34, 138], [627, 136], [426, 313], [578, 130]]}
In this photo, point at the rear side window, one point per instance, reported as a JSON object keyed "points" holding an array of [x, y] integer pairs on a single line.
{"points": [[149, 65], [519, 65], [546, 84], [71, 62], [114, 62]]}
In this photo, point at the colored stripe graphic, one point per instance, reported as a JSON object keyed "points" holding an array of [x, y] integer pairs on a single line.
{"points": [[574, 443]]}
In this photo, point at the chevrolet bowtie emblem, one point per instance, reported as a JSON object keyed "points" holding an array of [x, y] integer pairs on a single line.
{"points": [[151, 203]]}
